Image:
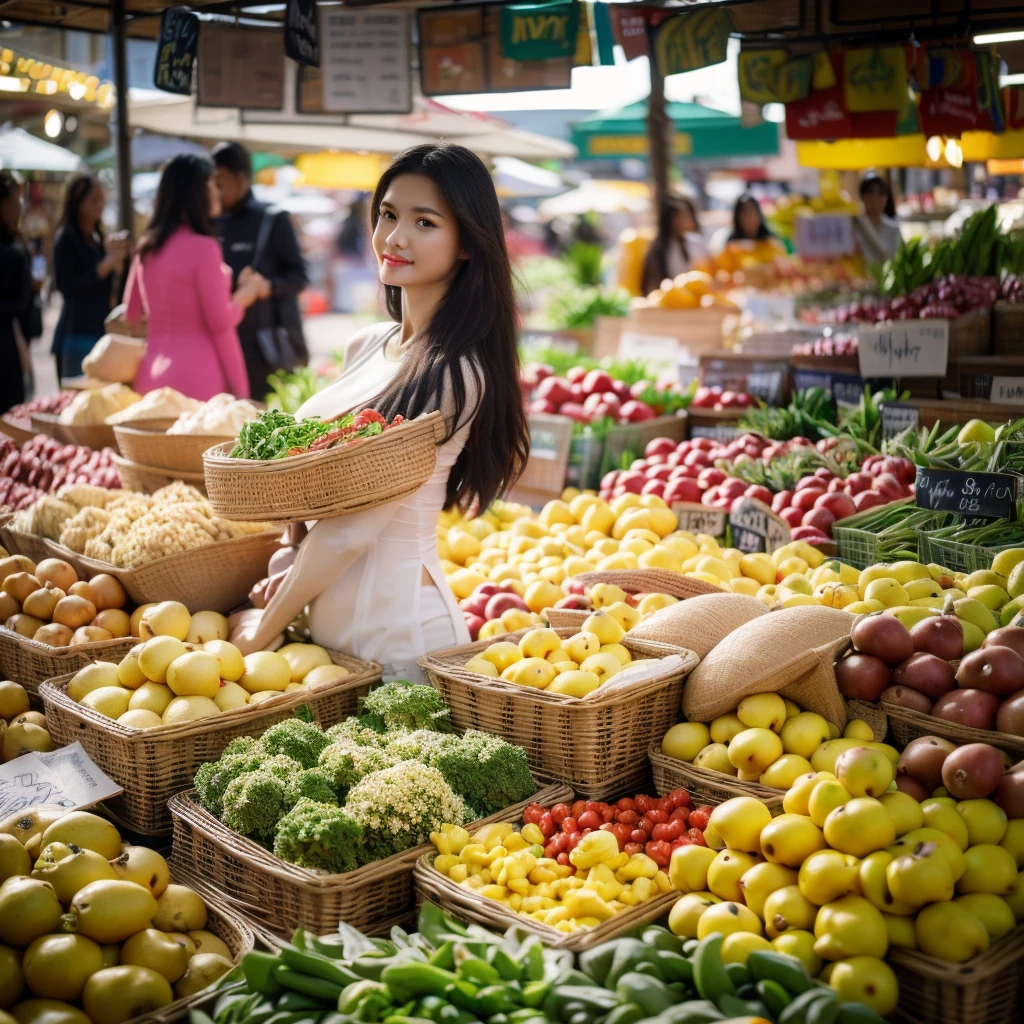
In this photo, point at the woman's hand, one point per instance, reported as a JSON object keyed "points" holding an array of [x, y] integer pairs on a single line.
{"points": [[245, 627], [252, 287]]}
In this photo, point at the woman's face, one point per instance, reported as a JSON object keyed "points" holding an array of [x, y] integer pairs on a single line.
{"points": [[874, 200], [10, 210], [416, 239], [683, 222], [750, 220], [213, 196]]}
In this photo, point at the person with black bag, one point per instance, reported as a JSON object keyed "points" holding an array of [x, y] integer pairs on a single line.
{"points": [[259, 238]]}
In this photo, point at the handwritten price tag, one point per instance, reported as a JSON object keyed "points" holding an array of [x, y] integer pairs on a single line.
{"points": [[755, 527], [984, 495], [699, 518], [715, 433], [824, 235], [904, 348]]}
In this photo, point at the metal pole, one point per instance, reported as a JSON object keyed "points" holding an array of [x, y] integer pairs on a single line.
{"points": [[122, 140]]}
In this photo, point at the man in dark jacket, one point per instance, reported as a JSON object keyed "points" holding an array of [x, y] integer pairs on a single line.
{"points": [[256, 237]]}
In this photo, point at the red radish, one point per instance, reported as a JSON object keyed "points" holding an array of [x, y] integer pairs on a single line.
{"points": [[869, 499], [732, 487], [597, 382], [660, 446], [805, 499], [555, 390], [824, 473], [760, 493], [574, 411], [809, 481], [659, 473], [697, 457], [890, 486], [543, 405], [632, 481], [839, 504], [636, 412], [609, 479], [576, 375], [711, 477]]}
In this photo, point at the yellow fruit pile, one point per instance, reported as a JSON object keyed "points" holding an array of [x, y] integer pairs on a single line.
{"points": [[842, 875], [574, 667], [509, 866], [21, 731], [769, 740], [186, 670], [93, 931]]}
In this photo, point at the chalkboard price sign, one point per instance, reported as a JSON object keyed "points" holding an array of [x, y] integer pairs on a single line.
{"points": [[755, 527], [979, 495], [300, 33], [176, 51], [700, 518]]}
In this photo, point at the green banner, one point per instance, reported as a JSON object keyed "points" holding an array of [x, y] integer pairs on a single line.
{"points": [[693, 40], [539, 31]]}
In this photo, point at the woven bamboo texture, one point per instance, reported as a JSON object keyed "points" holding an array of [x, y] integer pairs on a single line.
{"points": [[225, 923], [27, 544], [325, 484], [148, 443], [15, 430], [48, 423], [907, 725], [704, 785], [566, 618], [285, 897], [153, 764], [464, 903], [871, 713], [136, 476], [30, 663], [651, 581], [1007, 329], [597, 745], [986, 990]]}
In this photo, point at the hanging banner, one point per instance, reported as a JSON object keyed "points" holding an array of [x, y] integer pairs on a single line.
{"points": [[630, 28], [989, 106], [366, 61], [604, 33], [240, 67], [824, 71], [875, 78], [300, 33], [948, 111], [1013, 106], [539, 31], [820, 116], [793, 80], [505, 75], [757, 74], [176, 51], [452, 51], [688, 42]]}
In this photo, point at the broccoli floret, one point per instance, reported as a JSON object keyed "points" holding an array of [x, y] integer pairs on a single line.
{"points": [[253, 803], [353, 730], [402, 705], [242, 745], [320, 836], [296, 739], [487, 772], [345, 764], [309, 784], [400, 806], [280, 766], [214, 777]]}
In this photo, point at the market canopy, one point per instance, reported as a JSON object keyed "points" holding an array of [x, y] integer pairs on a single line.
{"points": [[148, 150], [701, 133], [22, 151]]}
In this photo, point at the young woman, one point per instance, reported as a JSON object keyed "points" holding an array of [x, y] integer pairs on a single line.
{"points": [[85, 263], [373, 580], [748, 223], [877, 231], [178, 280], [677, 245], [15, 291]]}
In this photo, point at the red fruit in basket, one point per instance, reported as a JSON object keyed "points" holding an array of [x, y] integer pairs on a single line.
{"points": [[636, 412], [760, 493], [805, 499], [574, 603], [654, 487], [532, 814], [892, 488], [554, 389], [474, 623], [858, 482], [660, 472], [997, 670], [781, 500], [839, 504], [574, 586], [1007, 636], [501, 603], [925, 673], [475, 604], [632, 481], [597, 382], [627, 817], [883, 636], [660, 852], [922, 759], [905, 697], [544, 406], [820, 519], [660, 446], [793, 517], [1010, 794], [869, 499], [682, 489], [711, 477], [862, 677], [941, 635], [697, 457], [973, 771], [1010, 717], [696, 836], [811, 534], [700, 816], [589, 819], [679, 798], [593, 403], [905, 784], [632, 848], [974, 708], [638, 835], [576, 374]]}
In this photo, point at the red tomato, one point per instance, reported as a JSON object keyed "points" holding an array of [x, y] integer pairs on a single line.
{"points": [[589, 819], [574, 840], [681, 841], [561, 841], [559, 812], [681, 798], [658, 816], [578, 808], [660, 852], [621, 832], [608, 814], [632, 848], [625, 804], [680, 814], [546, 825], [638, 835], [562, 858], [697, 836], [531, 816], [551, 850], [645, 803], [668, 831], [700, 816], [646, 824], [569, 824], [629, 817]]}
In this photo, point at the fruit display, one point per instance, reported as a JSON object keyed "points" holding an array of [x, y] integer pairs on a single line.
{"points": [[47, 602], [21, 415], [125, 529], [22, 731], [788, 207], [716, 397], [768, 739], [696, 289], [366, 788], [92, 929], [42, 466], [184, 670], [838, 344]]}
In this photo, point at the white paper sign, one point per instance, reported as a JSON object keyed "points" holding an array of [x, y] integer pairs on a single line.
{"points": [[649, 347], [364, 61], [824, 235], [904, 348], [1008, 390], [67, 777], [770, 306]]}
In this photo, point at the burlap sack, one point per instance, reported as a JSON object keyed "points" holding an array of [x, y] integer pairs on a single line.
{"points": [[651, 581], [788, 652], [700, 623]]}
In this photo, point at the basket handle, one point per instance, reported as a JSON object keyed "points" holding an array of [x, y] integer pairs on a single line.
{"points": [[651, 581]]}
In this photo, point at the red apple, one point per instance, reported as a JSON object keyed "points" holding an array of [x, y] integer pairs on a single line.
{"points": [[808, 533], [474, 624], [820, 518], [660, 473], [632, 481], [636, 412], [574, 602], [705, 444], [574, 411], [508, 587], [781, 500], [805, 499], [622, 391], [839, 504], [869, 499], [597, 382], [697, 457], [475, 604], [759, 492], [682, 489], [654, 487], [809, 481], [638, 465], [555, 390], [609, 480], [824, 473], [576, 393], [892, 488], [660, 446], [711, 477], [792, 516], [501, 603], [576, 375], [543, 405], [733, 487], [857, 482]]}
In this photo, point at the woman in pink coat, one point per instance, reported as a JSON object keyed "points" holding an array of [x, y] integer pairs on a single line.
{"points": [[179, 282]]}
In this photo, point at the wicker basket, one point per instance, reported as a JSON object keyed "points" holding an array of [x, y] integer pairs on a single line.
{"points": [[48, 423], [285, 897], [597, 745], [16, 430], [464, 903], [704, 785], [907, 725], [30, 663], [871, 713], [566, 618], [324, 484], [985, 990], [148, 443], [153, 764], [90, 435], [651, 581], [136, 476], [27, 544]]}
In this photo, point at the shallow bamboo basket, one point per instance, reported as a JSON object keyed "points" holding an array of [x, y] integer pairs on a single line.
{"points": [[566, 618], [284, 897], [145, 479], [151, 765], [986, 990], [705, 785], [148, 443], [321, 485], [30, 662], [598, 745], [15, 430], [907, 725], [88, 435]]}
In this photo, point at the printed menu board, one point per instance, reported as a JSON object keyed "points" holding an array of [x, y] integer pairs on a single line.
{"points": [[240, 67]]}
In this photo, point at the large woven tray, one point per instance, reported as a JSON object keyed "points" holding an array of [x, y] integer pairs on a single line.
{"points": [[597, 745], [651, 581], [153, 764], [147, 442], [986, 990], [137, 476], [216, 577], [325, 484], [907, 725], [88, 435], [30, 663], [16, 430], [290, 897]]}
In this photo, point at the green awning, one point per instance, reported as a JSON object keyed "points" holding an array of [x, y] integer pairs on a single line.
{"points": [[700, 134]]}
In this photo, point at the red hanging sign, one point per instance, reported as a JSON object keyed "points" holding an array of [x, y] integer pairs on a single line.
{"points": [[820, 116], [1013, 106], [949, 111]]}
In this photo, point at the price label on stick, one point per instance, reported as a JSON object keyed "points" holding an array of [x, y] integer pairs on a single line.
{"points": [[699, 518], [897, 417], [981, 495], [755, 527], [904, 348]]}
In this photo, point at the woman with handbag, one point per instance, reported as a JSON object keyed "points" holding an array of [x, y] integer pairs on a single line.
{"points": [[16, 291], [178, 280]]}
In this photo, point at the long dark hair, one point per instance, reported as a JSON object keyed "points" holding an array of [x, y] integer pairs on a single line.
{"points": [[476, 320], [74, 195], [181, 200], [873, 180], [10, 182], [656, 261], [737, 232]]}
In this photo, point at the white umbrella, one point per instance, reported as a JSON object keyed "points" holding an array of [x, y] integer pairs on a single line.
{"points": [[22, 151], [598, 197], [515, 177]]}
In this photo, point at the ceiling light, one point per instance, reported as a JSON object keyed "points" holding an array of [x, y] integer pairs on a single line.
{"points": [[12, 84], [998, 37], [53, 124], [933, 149], [954, 154]]}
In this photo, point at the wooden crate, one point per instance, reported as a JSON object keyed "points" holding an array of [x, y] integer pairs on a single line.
{"points": [[544, 476]]}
